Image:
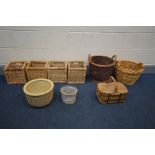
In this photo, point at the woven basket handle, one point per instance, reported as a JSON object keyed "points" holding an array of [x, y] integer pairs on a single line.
{"points": [[140, 64], [114, 57], [89, 58], [116, 89], [113, 79]]}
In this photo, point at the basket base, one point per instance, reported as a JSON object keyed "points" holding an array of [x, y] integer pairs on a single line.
{"points": [[107, 101]]}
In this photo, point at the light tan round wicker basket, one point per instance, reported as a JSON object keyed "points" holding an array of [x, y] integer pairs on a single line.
{"points": [[128, 72], [39, 92]]}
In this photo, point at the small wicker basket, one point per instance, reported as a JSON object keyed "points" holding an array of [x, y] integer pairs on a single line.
{"points": [[128, 72], [39, 92], [15, 72], [101, 67], [57, 71], [76, 72], [36, 69], [111, 92]]}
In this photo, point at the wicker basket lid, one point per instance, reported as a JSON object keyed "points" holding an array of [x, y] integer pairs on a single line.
{"points": [[120, 88], [113, 87], [129, 67], [106, 87]]}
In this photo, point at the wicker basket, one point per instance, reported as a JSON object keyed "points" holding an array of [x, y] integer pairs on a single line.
{"points": [[111, 92], [36, 69], [76, 72], [128, 72], [15, 72], [101, 67], [57, 71], [39, 92]]}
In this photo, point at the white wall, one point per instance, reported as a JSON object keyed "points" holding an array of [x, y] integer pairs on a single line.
{"points": [[75, 43]]}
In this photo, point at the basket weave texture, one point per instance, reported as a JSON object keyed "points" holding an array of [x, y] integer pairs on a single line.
{"points": [[15, 72], [57, 71], [111, 92], [128, 72], [36, 69], [39, 92], [101, 67], [76, 72]]}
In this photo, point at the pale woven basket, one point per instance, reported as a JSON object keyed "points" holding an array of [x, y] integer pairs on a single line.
{"points": [[39, 92], [15, 72], [57, 71], [36, 69], [128, 72], [76, 72]]}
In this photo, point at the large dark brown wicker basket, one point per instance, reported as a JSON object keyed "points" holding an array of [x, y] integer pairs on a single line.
{"points": [[101, 67]]}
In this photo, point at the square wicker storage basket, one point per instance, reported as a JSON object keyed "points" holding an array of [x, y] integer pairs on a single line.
{"points": [[76, 72], [57, 71], [36, 69], [15, 72]]}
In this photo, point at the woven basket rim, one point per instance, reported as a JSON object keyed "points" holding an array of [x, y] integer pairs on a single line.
{"points": [[39, 94], [57, 62], [127, 70], [7, 66], [76, 68], [64, 63], [99, 65]]}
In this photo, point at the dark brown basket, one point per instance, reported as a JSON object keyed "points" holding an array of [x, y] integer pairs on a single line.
{"points": [[101, 67]]}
